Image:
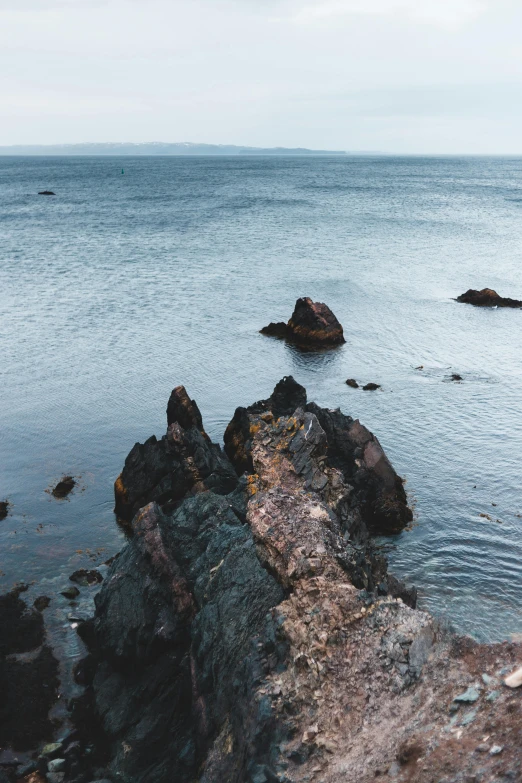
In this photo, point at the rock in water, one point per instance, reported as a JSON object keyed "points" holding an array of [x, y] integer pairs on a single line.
{"points": [[241, 637], [183, 461], [487, 297], [371, 387], [4, 509], [64, 486], [46, 193], [353, 383], [312, 325]]}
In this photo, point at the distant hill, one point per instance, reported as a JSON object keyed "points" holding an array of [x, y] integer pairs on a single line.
{"points": [[157, 148]]}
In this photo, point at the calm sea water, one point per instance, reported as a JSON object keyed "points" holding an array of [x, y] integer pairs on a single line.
{"points": [[124, 286]]}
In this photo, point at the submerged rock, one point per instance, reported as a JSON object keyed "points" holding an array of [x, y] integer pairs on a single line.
{"points": [[487, 297], [312, 325], [66, 485]]}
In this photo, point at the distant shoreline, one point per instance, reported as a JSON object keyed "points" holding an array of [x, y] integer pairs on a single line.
{"points": [[162, 149]]}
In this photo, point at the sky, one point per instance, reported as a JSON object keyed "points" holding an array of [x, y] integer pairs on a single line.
{"points": [[399, 76]]}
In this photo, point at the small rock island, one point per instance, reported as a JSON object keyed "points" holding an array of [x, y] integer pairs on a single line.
{"points": [[312, 325], [487, 297]]}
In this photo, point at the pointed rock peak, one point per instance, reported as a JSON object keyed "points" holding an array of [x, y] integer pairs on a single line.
{"points": [[287, 396], [312, 325], [183, 411]]}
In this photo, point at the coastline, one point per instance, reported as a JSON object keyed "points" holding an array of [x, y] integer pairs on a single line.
{"points": [[340, 679]]}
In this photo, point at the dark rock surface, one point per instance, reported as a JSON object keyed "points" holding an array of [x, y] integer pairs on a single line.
{"points": [[86, 576], [64, 486], [28, 675], [312, 325], [353, 383], [487, 297], [46, 193], [183, 461], [371, 387], [4, 509]]}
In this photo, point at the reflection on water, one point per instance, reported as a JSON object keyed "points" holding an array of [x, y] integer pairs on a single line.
{"points": [[121, 288]]}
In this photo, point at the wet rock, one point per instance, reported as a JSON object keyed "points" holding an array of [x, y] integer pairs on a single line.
{"points": [[41, 603], [278, 329], [487, 297], [455, 377], [66, 485], [56, 765], [51, 750], [46, 193], [183, 461], [70, 593], [312, 325], [28, 675], [85, 577], [4, 509], [371, 387], [353, 383]]}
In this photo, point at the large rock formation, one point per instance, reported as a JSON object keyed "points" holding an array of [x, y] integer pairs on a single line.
{"points": [[312, 325], [165, 470], [487, 298], [256, 637]]}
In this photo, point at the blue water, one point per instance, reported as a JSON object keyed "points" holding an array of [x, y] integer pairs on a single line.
{"points": [[122, 287]]}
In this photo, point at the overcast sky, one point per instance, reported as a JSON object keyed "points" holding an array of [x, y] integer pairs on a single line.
{"points": [[393, 75]]}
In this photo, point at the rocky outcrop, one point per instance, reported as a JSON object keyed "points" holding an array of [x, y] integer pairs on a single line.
{"points": [[312, 325], [256, 637], [165, 470], [46, 193], [487, 298], [376, 491]]}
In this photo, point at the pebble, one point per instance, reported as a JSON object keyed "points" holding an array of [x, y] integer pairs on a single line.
{"points": [[468, 697], [468, 718], [515, 679], [51, 749], [493, 695], [486, 679], [483, 747], [56, 765], [496, 749]]}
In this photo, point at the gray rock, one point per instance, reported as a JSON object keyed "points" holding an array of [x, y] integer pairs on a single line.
{"points": [[493, 696], [468, 697], [496, 749], [468, 717], [56, 765], [70, 593]]}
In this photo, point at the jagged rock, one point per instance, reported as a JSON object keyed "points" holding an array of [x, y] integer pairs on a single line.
{"points": [[4, 509], [183, 461], [64, 486], [312, 325], [487, 298], [256, 636], [41, 603]]}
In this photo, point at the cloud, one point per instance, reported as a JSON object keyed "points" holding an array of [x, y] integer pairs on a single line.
{"points": [[446, 13]]}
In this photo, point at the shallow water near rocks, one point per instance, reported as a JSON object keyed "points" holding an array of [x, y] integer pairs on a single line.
{"points": [[123, 286]]}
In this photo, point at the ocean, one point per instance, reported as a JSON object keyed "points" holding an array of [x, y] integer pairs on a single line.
{"points": [[123, 286]]}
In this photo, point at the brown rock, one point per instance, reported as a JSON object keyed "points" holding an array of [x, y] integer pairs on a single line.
{"points": [[63, 487], [353, 383], [312, 325], [487, 297]]}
